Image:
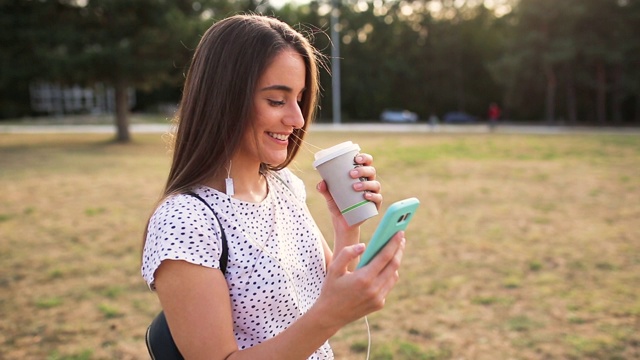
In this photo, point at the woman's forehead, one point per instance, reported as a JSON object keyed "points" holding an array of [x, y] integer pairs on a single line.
{"points": [[285, 72]]}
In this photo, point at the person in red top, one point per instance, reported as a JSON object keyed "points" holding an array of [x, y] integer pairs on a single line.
{"points": [[493, 114]]}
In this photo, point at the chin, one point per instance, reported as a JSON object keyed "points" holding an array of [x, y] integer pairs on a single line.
{"points": [[277, 158], [274, 162]]}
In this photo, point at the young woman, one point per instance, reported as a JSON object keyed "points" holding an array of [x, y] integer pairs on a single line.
{"points": [[249, 95]]}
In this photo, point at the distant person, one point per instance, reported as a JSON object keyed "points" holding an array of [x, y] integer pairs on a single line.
{"points": [[249, 96], [433, 121], [493, 115]]}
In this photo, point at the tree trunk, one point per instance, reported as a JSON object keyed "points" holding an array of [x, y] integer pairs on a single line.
{"points": [[506, 106], [572, 109], [637, 114], [122, 112], [459, 81], [617, 95], [550, 101], [601, 93]]}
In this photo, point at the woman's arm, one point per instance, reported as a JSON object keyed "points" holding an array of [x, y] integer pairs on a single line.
{"points": [[195, 300], [196, 303]]}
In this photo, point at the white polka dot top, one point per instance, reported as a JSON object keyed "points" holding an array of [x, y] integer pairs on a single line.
{"points": [[276, 263]]}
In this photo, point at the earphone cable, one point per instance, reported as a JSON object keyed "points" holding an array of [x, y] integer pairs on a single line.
{"points": [[366, 321]]}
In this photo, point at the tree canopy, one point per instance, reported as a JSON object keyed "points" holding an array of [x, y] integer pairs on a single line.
{"points": [[572, 61]]}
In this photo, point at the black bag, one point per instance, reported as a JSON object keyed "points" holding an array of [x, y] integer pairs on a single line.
{"points": [[158, 337]]}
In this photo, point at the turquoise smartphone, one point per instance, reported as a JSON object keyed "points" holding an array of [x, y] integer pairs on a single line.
{"points": [[396, 218]]}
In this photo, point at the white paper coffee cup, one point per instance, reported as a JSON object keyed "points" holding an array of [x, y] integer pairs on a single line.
{"points": [[334, 165]]}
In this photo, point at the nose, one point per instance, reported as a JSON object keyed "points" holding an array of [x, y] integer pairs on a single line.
{"points": [[294, 117]]}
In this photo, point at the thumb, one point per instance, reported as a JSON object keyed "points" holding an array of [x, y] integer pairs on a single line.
{"points": [[323, 188], [340, 262]]}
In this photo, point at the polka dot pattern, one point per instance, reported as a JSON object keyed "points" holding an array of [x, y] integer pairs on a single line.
{"points": [[276, 263]]}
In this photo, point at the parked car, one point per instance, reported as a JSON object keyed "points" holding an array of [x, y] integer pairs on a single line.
{"points": [[398, 115], [459, 117]]}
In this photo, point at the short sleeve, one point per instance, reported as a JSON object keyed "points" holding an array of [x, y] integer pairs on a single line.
{"points": [[181, 228]]}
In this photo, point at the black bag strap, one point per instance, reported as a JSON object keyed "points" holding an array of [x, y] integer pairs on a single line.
{"points": [[158, 337], [224, 254]]}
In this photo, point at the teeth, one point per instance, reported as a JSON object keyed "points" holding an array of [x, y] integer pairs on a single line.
{"points": [[279, 136]]}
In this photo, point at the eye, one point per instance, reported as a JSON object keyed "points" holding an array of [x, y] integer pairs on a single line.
{"points": [[276, 102]]}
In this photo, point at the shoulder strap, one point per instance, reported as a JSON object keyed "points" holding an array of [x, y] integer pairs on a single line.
{"points": [[224, 255], [286, 184]]}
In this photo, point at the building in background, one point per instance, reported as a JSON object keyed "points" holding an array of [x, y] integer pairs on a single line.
{"points": [[55, 99]]}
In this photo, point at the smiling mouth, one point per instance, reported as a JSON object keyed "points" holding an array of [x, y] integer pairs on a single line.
{"points": [[281, 137]]}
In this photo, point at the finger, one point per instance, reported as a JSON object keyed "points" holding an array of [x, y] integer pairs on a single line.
{"points": [[363, 159], [363, 172], [382, 259], [387, 285], [375, 198], [391, 269], [389, 276], [339, 264], [323, 189], [370, 185]]}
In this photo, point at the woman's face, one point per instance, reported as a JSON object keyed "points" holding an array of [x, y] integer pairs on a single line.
{"points": [[276, 110]]}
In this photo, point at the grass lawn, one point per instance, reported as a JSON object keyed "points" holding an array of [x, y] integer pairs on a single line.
{"points": [[525, 247]]}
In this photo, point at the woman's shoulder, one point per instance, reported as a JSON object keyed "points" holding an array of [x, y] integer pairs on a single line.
{"points": [[292, 181], [183, 206], [184, 214], [181, 228], [175, 203]]}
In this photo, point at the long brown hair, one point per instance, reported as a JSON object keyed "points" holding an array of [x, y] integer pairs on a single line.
{"points": [[217, 101]]}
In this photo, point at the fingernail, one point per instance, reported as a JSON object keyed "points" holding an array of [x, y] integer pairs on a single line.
{"points": [[353, 172], [359, 247], [358, 186], [359, 159]]}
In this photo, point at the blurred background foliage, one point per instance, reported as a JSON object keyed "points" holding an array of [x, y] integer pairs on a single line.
{"points": [[569, 61]]}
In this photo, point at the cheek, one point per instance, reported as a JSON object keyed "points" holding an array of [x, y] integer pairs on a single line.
{"points": [[266, 118], [260, 113]]}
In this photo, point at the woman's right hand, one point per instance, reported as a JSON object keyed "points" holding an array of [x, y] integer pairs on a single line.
{"points": [[347, 296]]}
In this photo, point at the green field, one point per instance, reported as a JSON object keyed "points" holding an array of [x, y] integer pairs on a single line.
{"points": [[525, 247]]}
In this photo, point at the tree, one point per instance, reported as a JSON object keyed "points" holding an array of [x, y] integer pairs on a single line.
{"points": [[586, 47], [573, 59], [140, 44], [397, 54], [28, 29]]}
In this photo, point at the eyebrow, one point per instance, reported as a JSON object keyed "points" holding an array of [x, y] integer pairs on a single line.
{"points": [[281, 88]]}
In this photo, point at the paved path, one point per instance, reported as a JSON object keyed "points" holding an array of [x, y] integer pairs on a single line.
{"points": [[472, 129], [360, 127]]}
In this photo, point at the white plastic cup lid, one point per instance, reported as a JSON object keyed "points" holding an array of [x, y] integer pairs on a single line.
{"points": [[333, 152]]}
